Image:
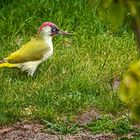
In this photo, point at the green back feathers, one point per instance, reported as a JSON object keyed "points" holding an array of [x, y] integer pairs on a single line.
{"points": [[32, 51]]}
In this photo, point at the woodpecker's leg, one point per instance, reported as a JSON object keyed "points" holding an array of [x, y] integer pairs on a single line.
{"points": [[31, 71]]}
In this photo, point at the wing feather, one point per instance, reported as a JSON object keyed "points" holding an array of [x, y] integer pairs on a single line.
{"points": [[32, 51]]}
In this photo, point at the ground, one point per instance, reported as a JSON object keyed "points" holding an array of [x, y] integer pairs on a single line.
{"points": [[34, 131]]}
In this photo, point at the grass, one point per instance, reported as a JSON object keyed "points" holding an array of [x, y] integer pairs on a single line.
{"points": [[80, 73], [121, 127], [107, 124]]}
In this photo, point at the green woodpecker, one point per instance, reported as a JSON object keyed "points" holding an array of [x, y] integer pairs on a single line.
{"points": [[39, 49]]}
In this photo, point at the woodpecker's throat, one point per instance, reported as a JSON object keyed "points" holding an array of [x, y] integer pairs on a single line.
{"points": [[45, 34]]}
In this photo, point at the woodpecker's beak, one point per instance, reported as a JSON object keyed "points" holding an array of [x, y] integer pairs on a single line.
{"points": [[63, 33]]}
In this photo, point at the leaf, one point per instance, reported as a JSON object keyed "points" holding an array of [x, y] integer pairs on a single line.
{"points": [[105, 3], [130, 85], [117, 14], [138, 9], [103, 7], [113, 12], [130, 90]]}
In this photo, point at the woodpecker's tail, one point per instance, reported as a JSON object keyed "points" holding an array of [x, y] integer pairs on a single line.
{"points": [[6, 64]]}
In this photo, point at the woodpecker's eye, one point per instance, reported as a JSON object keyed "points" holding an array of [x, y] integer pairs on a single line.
{"points": [[54, 29]]}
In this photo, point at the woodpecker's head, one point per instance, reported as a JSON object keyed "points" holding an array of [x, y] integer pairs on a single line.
{"points": [[50, 29]]}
